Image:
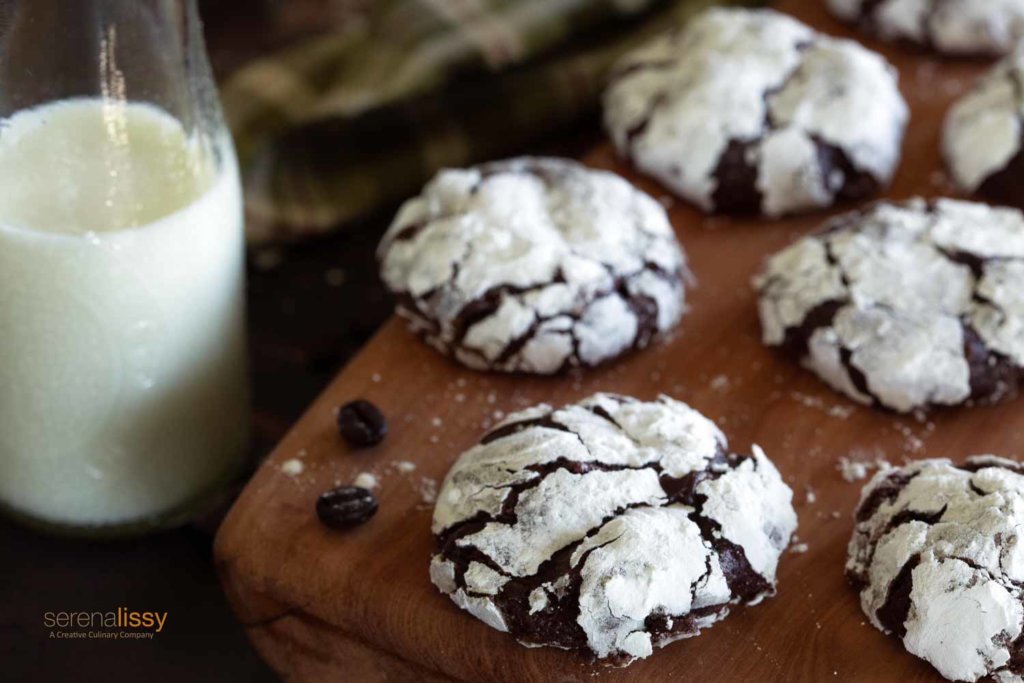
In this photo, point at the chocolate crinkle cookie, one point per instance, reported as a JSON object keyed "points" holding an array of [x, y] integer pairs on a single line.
{"points": [[938, 557], [983, 138], [534, 265], [610, 526], [906, 306], [750, 111], [954, 27]]}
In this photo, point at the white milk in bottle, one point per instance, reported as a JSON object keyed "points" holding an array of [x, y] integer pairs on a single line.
{"points": [[123, 392]]}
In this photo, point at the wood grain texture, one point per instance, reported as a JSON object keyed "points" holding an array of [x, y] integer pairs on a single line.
{"points": [[358, 606]]}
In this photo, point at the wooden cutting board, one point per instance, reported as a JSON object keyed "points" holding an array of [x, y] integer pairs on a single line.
{"points": [[358, 606]]}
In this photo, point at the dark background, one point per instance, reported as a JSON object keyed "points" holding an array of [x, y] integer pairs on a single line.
{"points": [[310, 307]]}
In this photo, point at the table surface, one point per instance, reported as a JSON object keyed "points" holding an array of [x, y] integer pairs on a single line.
{"points": [[307, 593]]}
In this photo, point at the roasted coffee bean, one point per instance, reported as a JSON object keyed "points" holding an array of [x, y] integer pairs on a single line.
{"points": [[346, 507], [362, 424]]}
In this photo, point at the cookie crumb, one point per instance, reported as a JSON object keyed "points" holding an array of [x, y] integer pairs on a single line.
{"points": [[856, 470], [852, 470], [366, 480], [293, 467], [428, 490]]}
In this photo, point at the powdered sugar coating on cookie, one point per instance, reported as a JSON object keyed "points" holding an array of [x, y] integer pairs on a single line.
{"points": [[752, 111], [982, 135], [956, 27], [611, 526], [938, 556], [534, 265], [907, 305]]}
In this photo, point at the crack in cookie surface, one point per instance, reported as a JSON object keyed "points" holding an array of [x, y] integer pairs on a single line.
{"points": [[956, 27], [534, 265], [934, 539], [611, 526], [905, 306], [750, 111]]}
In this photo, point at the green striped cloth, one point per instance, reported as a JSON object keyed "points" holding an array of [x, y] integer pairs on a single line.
{"points": [[356, 120]]}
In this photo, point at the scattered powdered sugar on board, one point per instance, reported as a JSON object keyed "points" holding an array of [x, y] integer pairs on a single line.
{"points": [[293, 467], [798, 548], [911, 441], [852, 470], [424, 486], [428, 491], [366, 480], [837, 411], [810, 495], [719, 383], [855, 469]]}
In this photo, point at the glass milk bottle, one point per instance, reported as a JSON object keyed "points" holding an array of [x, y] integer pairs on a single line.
{"points": [[123, 389]]}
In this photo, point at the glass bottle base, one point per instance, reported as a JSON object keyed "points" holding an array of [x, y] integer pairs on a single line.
{"points": [[178, 516]]}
